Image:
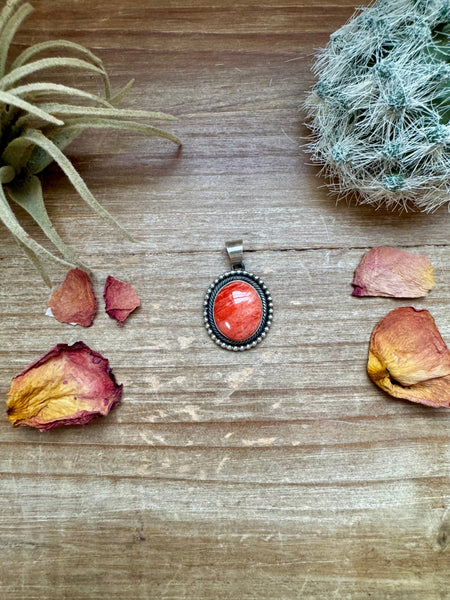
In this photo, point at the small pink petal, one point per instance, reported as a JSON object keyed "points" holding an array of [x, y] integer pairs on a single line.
{"points": [[120, 299], [390, 272], [69, 385], [74, 300]]}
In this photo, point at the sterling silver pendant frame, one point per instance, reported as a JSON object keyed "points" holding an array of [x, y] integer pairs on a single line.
{"points": [[257, 289]]}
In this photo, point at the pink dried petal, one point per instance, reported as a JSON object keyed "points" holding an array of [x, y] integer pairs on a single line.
{"points": [[120, 299], [394, 273], [69, 385], [74, 300], [409, 359]]}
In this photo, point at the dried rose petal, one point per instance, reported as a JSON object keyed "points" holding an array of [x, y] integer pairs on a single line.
{"points": [[120, 299], [74, 300], [409, 359], [70, 385], [394, 273]]}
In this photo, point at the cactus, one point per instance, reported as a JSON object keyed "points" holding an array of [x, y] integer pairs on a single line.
{"points": [[379, 113]]}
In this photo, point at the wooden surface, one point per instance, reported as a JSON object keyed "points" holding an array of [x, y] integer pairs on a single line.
{"points": [[280, 473]]}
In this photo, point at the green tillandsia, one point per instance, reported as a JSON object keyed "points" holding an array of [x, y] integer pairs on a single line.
{"points": [[380, 111], [39, 120]]}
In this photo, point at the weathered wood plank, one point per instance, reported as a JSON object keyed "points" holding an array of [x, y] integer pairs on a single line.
{"points": [[280, 473]]}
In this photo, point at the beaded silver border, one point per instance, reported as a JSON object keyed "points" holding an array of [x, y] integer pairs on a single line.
{"points": [[266, 321]]}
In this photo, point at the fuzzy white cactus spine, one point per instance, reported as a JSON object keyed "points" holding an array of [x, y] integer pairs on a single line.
{"points": [[380, 110]]}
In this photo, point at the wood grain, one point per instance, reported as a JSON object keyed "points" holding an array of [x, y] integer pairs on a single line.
{"points": [[279, 473]]}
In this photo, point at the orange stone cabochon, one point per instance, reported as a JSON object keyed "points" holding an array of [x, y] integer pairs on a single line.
{"points": [[238, 310]]}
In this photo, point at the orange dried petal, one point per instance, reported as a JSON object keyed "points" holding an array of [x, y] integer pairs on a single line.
{"points": [[74, 300], [120, 299], [390, 272], [69, 385], [409, 359]]}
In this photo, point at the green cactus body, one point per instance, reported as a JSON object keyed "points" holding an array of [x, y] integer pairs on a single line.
{"points": [[380, 111]]}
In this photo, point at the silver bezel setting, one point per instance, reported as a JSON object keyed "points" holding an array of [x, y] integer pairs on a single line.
{"points": [[208, 310]]}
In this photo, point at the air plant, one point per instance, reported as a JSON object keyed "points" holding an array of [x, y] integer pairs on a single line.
{"points": [[39, 119], [380, 111]]}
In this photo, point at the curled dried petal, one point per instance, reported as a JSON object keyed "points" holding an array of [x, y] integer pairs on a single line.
{"points": [[390, 272], [69, 385], [74, 300], [120, 299], [409, 359]]}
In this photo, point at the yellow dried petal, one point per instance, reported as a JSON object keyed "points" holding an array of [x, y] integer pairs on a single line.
{"points": [[69, 385], [409, 359]]}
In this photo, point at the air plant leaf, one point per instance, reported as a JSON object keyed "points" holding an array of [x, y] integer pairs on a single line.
{"points": [[379, 112], [98, 123], [61, 137], [37, 124], [10, 220], [72, 174], [17, 153], [8, 33], [27, 193], [120, 95], [7, 11], [35, 90], [90, 111], [59, 45], [13, 100], [36, 262], [45, 63]]}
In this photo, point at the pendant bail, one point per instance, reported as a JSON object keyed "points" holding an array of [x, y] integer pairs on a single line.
{"points": [[235, 251]]}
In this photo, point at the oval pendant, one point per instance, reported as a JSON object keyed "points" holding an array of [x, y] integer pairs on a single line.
{"points": [[238, 308]]}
